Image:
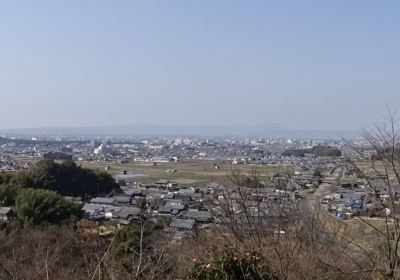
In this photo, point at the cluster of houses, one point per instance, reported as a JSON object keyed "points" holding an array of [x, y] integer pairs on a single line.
{"points": [[188, 209], [359, 200], [265, 209], [183, 207]]}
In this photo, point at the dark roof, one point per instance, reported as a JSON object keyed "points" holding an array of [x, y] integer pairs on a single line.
{"points": [[164, 210], [127, 212], [183, 224], [162, 182], [102, 200], [183, 196], [131, 192], [175, 211], [122, 199], [90, 207], [198, 216]]}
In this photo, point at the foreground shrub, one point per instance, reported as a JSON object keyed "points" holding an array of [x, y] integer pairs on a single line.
{"points": [[231, 264]]}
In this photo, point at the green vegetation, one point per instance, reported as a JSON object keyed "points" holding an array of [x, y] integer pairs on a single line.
{"points": [[57, 156], [326, 151], [8, 194], [34, 206], [318, 151], [66, 178], [125, 245]]}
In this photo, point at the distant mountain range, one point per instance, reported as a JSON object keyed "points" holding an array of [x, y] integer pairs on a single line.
{"points": [[269, 130]]}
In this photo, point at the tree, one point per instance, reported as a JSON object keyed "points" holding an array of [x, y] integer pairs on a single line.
{"points": [[140, 250], [296, 238], [57, 156], [35, 206], [318, 151], [66, 178], [382, 175], [8, 194]]}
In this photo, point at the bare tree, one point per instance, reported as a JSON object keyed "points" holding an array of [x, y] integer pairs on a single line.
{"points": [[292, 234], [382, 177]]}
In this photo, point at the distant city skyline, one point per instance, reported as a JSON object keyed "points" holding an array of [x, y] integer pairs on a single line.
{"points": [[298, 64]]}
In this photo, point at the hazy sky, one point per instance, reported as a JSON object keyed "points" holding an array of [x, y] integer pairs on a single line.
{"points": [[302, 64]]}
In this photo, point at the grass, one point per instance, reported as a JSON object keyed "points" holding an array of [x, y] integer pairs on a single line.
{"points": [[189, 171]]}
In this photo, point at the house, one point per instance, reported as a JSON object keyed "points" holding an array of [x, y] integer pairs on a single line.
{"points": [[174, 202], [172, 186], [181, 224], [100, 211], [5, 213], [127, 213], [196, 196], [122, 200], [176, 206], [103, 200], [94, 211], [133, 192], [164, 210], [152, 186], [183, 196], [198, 216], [162, 183]]}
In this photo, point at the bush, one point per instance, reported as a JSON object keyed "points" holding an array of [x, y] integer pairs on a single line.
{"points": [[36, 206], [231, 264]]}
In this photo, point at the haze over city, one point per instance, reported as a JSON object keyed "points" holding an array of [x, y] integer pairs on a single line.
{"points": [[299, 64]]}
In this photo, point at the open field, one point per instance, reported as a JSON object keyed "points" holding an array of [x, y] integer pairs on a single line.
{"points": [[188, 171]]}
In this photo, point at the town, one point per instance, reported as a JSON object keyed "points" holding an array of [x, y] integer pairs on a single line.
{"points": [[152, 171]]}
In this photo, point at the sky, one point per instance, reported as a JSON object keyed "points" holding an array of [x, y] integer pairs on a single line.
{"points": [[300, 64]]}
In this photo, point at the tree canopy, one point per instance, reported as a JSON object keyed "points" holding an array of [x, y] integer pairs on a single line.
{"points": [[8, 193], [66, 178], [318, 151], [35, 206], [57, 156]]}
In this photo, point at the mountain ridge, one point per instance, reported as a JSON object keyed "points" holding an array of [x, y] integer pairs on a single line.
{"points": [[267, 130]]}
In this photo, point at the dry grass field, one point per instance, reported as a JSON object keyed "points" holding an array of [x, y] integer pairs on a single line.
{"points": [[188, 172]]}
